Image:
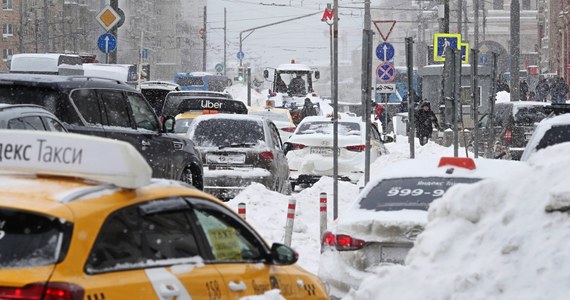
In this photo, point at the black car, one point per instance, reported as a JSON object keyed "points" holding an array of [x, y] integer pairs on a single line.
{"points": [[111, 109]]}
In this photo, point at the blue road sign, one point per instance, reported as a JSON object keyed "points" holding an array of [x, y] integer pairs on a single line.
{"points": [[385, 51], [240, 55], [483, 59], [107, 43], [444, 41], [386, 72], [219, 68]]}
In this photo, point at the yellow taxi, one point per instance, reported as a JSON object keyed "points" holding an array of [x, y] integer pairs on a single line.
{"points": [[77, 224], [280, 116]]}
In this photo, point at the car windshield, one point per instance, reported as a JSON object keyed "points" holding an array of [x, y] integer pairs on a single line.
{"points": [[274, 116], [530, 115], [30, 240], [225, 132], [555, 135], [408, 193], [326, 127]]}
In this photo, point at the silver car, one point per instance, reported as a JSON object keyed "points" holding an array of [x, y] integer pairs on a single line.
{"points": [[28, 117], [238, 150]]}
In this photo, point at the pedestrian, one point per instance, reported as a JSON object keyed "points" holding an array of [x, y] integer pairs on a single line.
{"points": [[308, 109], [425, 118], [559, 89], [542, 90], [524, 90]]}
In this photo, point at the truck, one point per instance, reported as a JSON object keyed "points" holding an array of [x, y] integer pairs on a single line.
{"points": [[291, 83]]}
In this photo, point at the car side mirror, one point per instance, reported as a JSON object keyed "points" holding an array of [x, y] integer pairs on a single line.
{"points": [[317, 74], [265, 74], [283, 254], [168, 123], [286, 148]]}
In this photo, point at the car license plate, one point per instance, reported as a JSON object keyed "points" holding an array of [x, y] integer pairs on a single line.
{"points": [[322, 151], [396, 255], [225, 159]]}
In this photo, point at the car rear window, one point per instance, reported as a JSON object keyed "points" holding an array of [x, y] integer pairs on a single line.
{"points": [[554, 135], [326, 127], [29, 240], [408, 193], [189, 80], [530, 115], [223, 132], [15, 94]]}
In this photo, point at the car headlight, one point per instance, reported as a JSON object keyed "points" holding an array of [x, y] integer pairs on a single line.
{"points": [[178, 145]]}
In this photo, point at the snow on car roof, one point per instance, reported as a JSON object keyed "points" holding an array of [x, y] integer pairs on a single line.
{"points": [[540, 130], [294, 67]]}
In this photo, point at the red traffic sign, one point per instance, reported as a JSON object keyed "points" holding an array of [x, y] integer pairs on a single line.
{"points": [[386, 72], [328, 14], [385, 28]]}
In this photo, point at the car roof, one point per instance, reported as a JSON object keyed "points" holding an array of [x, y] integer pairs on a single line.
{"points": [[162, 85], [228, 116], [63, 82]]}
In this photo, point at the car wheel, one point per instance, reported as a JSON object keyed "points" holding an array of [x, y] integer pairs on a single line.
{"points": [[192, 177], [187, 176]]}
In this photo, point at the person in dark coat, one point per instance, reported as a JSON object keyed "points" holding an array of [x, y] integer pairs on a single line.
{"points": [[542, 90], [524, 90], [558, 90], [308, 109], [424, 119]]}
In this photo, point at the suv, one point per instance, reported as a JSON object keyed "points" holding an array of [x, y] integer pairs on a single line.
{"points": [[513, 124], [28, 117], [111, 109]]}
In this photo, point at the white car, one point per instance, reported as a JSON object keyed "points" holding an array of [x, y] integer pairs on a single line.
{"points": [[310, 149], [280, 116], [548, 132], [380, 227]]}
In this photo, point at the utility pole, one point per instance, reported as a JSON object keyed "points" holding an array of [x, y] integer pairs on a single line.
{"points": [[335, 109], [484, 18], [225, 42], [475, 89], [515, 51], [365, 84], [411, 94], [205, 40], [476, 28], [46, 27], [114, 31], [459, 16], [446, 16]]}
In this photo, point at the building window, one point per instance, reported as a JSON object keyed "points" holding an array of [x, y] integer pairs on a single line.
{"points": [[8, 30], [6, 4], [498, 4], [525, 5], [7, 54]]}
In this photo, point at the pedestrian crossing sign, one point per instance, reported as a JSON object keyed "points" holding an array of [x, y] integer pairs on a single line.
{"points": [[444, 41]]}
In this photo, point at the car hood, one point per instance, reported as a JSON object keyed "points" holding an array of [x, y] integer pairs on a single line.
{"points": [[383, 226], [325, 140]]}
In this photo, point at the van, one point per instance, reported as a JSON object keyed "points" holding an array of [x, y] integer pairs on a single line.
{"points": [[46, 63], [121, 72], [202, 81]]}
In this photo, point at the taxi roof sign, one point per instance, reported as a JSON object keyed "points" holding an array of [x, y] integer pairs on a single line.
{"points": [[73, 155], [108, 17]]}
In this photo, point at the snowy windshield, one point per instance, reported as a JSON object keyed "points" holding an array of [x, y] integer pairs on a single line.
{"points": [[222, 132], [30, 240], [326, 127], [408, 193]]}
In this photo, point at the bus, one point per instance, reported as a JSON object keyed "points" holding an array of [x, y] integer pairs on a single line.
{"points": [[401, 81], [202, 81]]}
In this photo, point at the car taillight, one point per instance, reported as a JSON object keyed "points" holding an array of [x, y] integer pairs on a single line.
{"points": [[347, 243], [288, 129], [295, 146], [356, 148], [508, 136], [327, 240], [267, 155], [50, 291]]}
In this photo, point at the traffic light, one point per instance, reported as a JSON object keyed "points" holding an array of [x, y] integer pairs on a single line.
{"points": [[240, 77], [145, 72]]}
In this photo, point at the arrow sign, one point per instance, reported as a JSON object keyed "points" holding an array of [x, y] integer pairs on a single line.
{"points": [[385, 51], [107, 43]]}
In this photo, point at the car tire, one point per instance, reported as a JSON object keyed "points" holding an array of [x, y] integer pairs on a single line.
{"points": [[192, 177]]}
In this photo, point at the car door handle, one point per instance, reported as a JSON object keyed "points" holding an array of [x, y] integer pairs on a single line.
{"points": [[237, 286], [145, 143], [169, 291]]}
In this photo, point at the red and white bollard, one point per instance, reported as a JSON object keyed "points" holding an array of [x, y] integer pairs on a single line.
{"points": [[323, 212], [241, 210], [290, 221]]}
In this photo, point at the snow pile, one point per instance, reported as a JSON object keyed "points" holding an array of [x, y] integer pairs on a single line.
{"points": [[239, 92], [490, 240], [267, 213]]}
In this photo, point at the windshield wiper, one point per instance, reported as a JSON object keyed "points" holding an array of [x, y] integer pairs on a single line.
{"points": [[236, 145]]}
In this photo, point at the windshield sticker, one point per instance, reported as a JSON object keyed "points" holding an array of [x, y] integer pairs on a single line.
{"points": [[225, 244]]}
